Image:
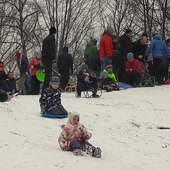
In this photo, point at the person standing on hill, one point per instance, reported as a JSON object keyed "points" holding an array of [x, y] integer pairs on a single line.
{"points": [[139, 48], [34, 66], [65, 67], [106, 48], [160, 54], [126, 42], [23, 65], [90, 50], [48, 56], [118, 61]]}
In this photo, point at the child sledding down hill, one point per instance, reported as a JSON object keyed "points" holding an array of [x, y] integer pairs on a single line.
{"points": [[50, 100], [109, 81], [74, 137]]}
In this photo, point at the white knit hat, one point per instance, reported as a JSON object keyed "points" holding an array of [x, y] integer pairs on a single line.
{"points": [[71, 116]]}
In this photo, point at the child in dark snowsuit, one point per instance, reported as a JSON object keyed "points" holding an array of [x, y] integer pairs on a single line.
{"points": [[50, 100], [74, 138], [86, 82]]}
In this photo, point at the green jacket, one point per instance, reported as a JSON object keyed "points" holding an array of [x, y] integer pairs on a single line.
{"points": [[105, 75], [90, 50]]}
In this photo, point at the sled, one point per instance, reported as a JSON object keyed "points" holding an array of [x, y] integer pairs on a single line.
{"points": [[54, 116], [40, 75], [124, 85]]}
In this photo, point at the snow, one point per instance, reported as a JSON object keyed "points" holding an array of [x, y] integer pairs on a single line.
{"points": [[124, 124]]}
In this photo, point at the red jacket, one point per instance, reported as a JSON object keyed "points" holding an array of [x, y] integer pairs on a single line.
{"points": [[32, 67], [134, 65], [106, 45]]}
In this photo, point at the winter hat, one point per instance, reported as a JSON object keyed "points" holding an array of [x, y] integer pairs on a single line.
{"points": [[115, 37], [1, 65], [168, 40], [53, 30], [127, 31], [153, 34], [65, 49], [109, 66], [37, 53], [93, 40], [144, 34], [18, 54], [55, 80], [72, 115], [84, 66], [130, 56], [110, 29]]}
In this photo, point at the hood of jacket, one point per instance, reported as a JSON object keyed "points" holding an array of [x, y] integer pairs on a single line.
{"points": [[157, 37]]}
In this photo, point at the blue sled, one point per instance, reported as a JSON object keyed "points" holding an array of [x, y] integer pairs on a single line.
{"points": [[48, 115], [124, 85]]}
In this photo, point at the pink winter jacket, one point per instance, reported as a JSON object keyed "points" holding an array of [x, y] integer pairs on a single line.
{"points": [[71, 132]]}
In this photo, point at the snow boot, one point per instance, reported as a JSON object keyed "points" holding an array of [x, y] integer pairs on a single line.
{"points": [[78, 152]]}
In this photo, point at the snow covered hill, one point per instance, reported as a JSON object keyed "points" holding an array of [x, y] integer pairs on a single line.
{"points": [[124, 124]]}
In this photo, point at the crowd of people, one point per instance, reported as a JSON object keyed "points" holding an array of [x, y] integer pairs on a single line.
{"points": [[129, 59], [118, 59]]}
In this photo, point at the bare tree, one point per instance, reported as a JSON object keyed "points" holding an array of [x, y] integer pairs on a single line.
{"points": [[73, 21]]}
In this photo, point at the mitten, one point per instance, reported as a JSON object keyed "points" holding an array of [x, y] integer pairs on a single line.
{"points": [[86, 79], [84, 137], [42, 109], [146, 57], [66, 148]]}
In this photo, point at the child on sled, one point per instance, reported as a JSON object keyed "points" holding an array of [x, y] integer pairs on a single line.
{"points": [[86, 82], [108, 79], [74, 137], [50, 100]]}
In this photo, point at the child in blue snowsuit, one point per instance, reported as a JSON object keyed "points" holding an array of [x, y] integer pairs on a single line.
{"points": [[50, 100]]}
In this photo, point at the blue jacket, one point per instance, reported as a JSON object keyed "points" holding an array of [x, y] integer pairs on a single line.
{"points": [[158, 48]]}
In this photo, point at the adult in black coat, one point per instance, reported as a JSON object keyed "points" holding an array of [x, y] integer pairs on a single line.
{"points": [[139, 48], [48, 56], [118, 61], [65, 67], [126, 42]]}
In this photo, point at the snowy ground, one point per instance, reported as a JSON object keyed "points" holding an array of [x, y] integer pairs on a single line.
{"points": [[124, 124]]}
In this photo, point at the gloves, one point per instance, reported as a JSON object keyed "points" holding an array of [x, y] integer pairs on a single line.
{"points": [[84, 137], [86, 79], [42, 109], [66, 148], [146, 57]]}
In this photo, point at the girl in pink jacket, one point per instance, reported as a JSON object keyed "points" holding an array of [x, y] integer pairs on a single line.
{"points": [[74, 138]]}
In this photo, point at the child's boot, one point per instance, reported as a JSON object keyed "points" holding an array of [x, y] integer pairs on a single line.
{"points": [[97, 152], [78, 151]]}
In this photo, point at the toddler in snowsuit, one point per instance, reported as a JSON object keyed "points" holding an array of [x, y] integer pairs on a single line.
{"points": [[74, 138], [109, 81], [50, 100]]}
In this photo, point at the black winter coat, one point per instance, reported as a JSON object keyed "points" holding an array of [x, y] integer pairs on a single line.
{"points": [[48, 48], [3, 76], [81, 76], [65, 62], [139, 49], [126, 43], [24, 66], [118, 59]]}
